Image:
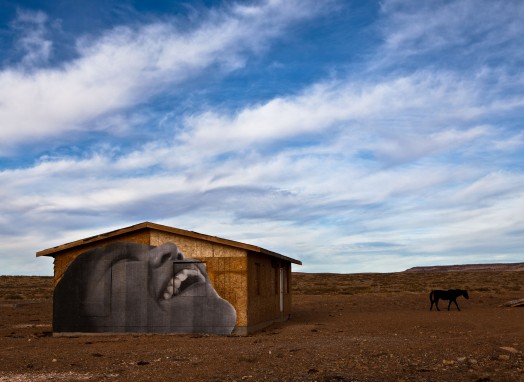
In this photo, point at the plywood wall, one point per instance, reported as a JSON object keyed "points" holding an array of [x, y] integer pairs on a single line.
{"points": [[264, 289], [226, 267], [65, 258], [250, 282]]}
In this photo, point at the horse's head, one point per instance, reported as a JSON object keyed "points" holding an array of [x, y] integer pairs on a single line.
{"points": [[465, 294]]}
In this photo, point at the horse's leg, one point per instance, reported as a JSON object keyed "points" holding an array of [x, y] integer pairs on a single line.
{"points": [[436, 304], [457, 305], [450, 301]]}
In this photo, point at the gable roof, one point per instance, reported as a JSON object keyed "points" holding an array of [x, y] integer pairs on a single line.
{"points": [[148, 225]]}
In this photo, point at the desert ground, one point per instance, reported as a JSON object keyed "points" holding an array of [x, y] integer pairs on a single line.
{"points": [[354, 327]]}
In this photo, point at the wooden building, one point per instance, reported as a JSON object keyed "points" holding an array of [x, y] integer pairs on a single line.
{"points": [[255, 281]]}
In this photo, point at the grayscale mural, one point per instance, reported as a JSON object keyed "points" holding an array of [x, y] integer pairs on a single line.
{"points": [[130, 287]]}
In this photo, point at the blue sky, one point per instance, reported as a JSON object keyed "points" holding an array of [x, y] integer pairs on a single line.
{"points": [[355, 136]]}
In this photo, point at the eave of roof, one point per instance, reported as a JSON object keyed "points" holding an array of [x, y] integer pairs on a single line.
{"points": [[148, 225]]}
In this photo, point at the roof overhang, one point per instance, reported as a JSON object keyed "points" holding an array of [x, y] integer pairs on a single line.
{"points": [[153, 226]]}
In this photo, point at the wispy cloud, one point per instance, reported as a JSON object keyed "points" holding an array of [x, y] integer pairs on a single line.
{"points": [[401, 162], [474, 30], [33, 43], [239, 167], [128, 65]]}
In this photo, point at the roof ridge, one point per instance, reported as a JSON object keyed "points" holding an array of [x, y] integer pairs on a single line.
{"points": [[151, 225]]}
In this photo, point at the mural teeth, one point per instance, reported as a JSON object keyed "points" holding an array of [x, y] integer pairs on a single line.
{"points": [[174, 284], [168, 292]]}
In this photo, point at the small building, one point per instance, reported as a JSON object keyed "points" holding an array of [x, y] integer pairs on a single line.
{"points": [[254, 281]]}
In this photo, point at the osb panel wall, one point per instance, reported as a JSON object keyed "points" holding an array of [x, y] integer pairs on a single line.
{"points": [[226, 267], [264, 289], [65, 258], [287, 289]]}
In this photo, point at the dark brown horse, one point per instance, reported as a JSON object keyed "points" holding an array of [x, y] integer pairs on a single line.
{"points": [[450, 295]]}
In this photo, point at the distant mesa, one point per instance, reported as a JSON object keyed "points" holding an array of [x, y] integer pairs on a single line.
{"points": [[470, 267]]}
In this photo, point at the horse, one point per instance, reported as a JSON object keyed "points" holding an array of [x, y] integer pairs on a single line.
{"points": [[450, 295]]}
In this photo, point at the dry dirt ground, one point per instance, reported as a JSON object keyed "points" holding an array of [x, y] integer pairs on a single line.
{"points": [[361, 327]]}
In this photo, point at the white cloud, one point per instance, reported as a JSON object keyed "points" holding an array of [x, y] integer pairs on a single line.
{"points": [[482, 28], [31, 29], [369, 172], [399, 119], [127, 65]]}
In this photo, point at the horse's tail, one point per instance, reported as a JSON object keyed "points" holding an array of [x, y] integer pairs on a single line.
{"points": [[431, 295]]}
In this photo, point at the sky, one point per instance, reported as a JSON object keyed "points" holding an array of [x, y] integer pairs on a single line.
{"points": [[355, 136]]}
